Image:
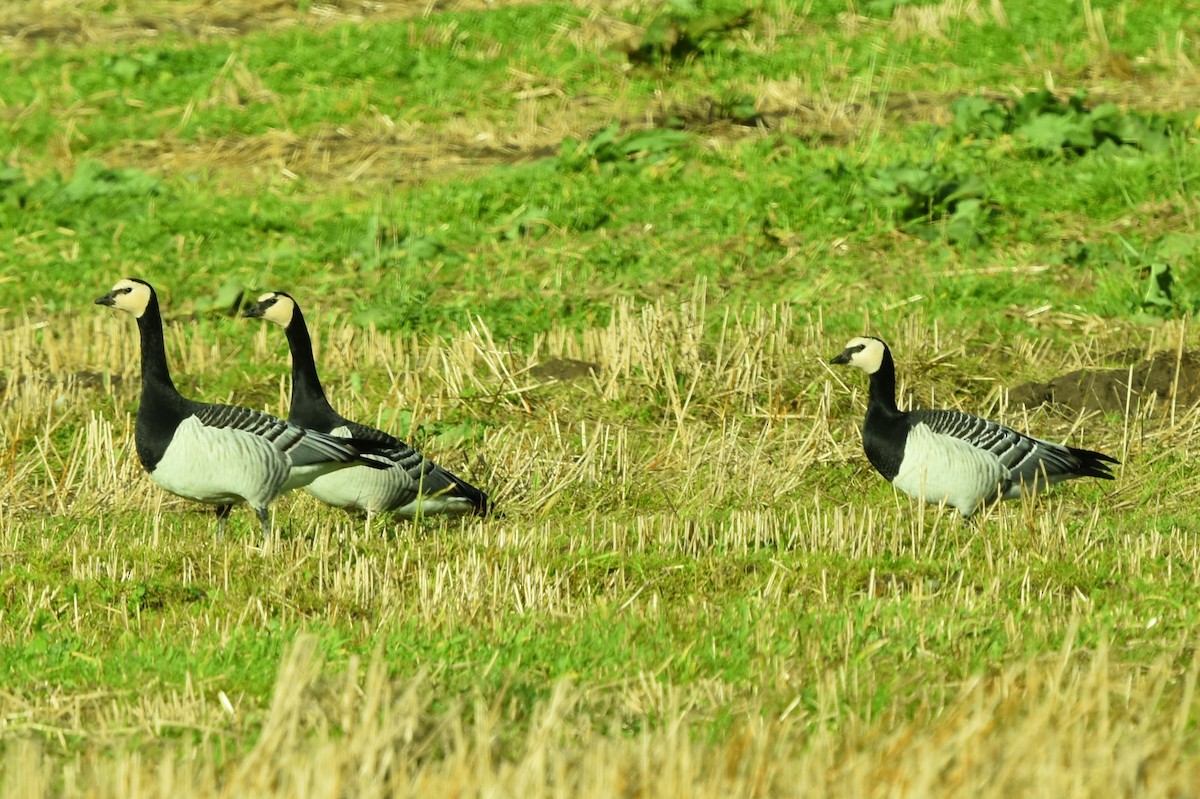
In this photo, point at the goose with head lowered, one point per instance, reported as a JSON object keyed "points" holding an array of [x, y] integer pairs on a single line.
{"points": [[953, 457], [415, 487], [219, 454]]}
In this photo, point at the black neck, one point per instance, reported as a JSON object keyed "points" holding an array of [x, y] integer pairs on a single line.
{"points": [[885, 429], [882, 394], [156, 378], [162, 408], [309, 407]]}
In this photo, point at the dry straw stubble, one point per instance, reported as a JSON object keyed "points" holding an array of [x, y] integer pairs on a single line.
{"points": [[747, 426]]}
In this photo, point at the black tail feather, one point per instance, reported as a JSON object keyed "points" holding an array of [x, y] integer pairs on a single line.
{"points": [[1094, 464], [478, 499]]}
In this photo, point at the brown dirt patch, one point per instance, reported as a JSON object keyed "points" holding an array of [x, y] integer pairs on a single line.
{"points": [[564, 369], [1168, 375]]}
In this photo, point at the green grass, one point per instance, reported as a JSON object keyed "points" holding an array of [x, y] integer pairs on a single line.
{"points": [[504, 245], [942, 598], [691, 539]]}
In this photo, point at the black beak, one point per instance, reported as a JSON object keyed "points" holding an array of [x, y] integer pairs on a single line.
{"points": [[843, 358], [108, 299], [255, 311]]}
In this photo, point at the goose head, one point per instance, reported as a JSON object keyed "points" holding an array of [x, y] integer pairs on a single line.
{"points": [[864, 352], [274, 306], [129, 295]]}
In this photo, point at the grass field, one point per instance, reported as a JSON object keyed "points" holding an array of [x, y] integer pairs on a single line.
{"points": [[595, 256]]}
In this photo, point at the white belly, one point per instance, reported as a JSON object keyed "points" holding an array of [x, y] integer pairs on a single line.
{"points": [[439, 505], [300, 476], [364, 488], [381, 490], [221, 466], [938, 468]]}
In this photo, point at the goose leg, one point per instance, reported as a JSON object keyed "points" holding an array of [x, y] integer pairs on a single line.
{"points": [[264, 519], [223, 512]]}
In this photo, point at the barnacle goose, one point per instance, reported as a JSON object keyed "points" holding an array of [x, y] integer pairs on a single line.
{"points": [[954, 457], [417, 486], [218, 454]]}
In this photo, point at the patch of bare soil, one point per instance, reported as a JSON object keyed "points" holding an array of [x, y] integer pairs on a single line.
{"points": [[1168, 375], [564, 369]]}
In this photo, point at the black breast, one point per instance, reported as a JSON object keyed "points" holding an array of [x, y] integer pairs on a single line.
{"points": [[158, 416], [152, 435], [884, 436]]}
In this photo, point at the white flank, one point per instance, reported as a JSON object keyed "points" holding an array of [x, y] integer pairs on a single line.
{"points": [[939, 468], [302, 476], [221, 465], [363, 487], [377, 490]]}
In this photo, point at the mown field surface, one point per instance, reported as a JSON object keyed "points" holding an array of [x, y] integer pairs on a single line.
{"points": [[594, 257]]}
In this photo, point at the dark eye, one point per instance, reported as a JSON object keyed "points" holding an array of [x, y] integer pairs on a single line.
{"points": [[859, 348]]}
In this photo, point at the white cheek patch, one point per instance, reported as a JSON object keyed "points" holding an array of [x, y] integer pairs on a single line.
{"points": [[281, 312], [135, 300], [123, 302], [870, 357]]}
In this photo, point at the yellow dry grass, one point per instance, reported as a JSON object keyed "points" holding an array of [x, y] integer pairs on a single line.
{"points": [[1067, 725], [757, 403], [748, 421], [759, 390]]}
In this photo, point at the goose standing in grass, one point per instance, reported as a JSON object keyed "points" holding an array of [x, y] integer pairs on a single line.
{"points": [[218, 454], [416, 486], [953, 457]]}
